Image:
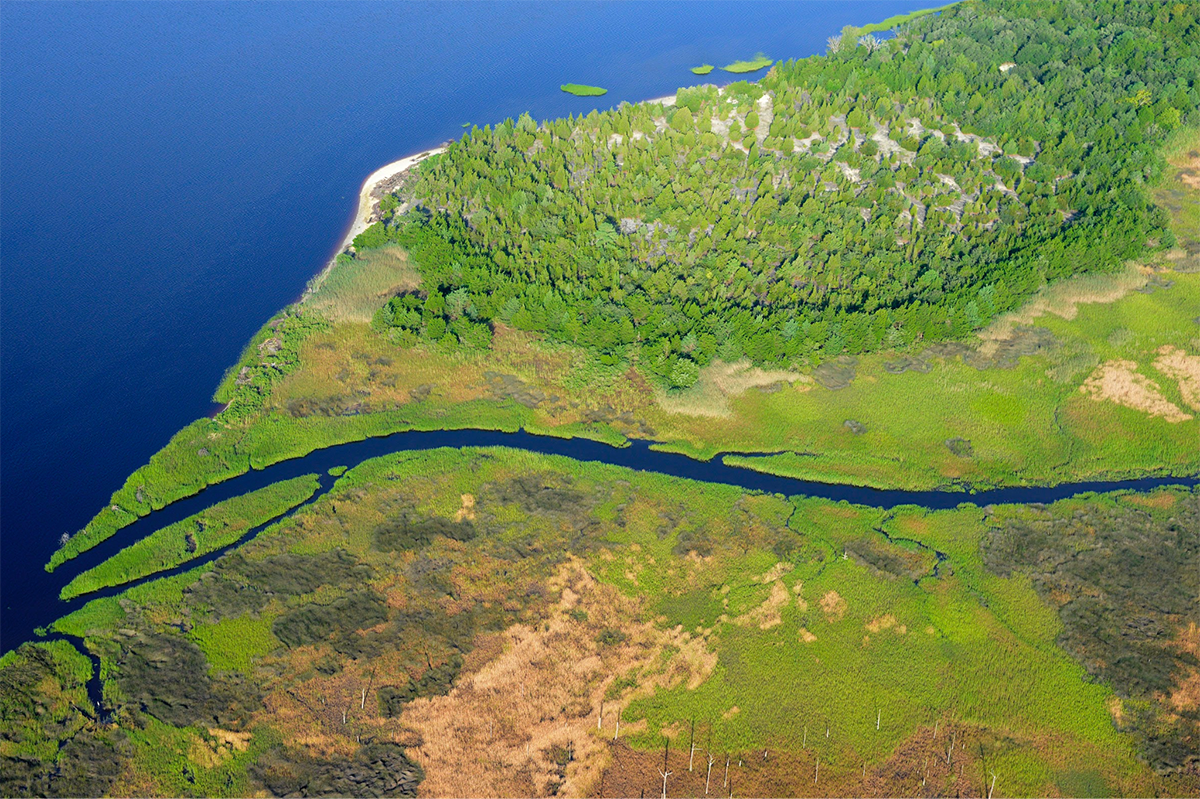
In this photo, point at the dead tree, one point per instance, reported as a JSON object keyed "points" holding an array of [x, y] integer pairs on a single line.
{"points": [[600, 716], [708, 779], [618, 732], [993, 786], [726, 783], [817, 771], [692, 745], [665, 771], [371, 682]]}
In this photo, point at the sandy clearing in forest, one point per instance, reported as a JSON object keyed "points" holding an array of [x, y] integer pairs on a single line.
{"points": [[1184, 368], [1118, 381]]}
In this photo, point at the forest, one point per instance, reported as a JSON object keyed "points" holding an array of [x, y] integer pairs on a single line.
{"points": [[888, 192]]}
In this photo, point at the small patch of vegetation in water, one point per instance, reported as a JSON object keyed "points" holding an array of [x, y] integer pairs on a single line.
{"points": [[759, 61], [703, 69], [583, 90]]}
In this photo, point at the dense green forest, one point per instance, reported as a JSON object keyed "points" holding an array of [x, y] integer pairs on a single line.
{"points": [[886, 192]]}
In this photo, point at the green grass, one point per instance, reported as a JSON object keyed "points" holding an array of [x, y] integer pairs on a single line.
{"points": [[193, 537], [900, 19], [234, 643], [582, 90], [759, 61], [703, 69], [976, 650]]}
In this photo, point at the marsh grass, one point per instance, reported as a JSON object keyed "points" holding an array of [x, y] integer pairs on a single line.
{"points": [[759, 61], [356, 287], [193, 537], [755, 615], [703, 69]]}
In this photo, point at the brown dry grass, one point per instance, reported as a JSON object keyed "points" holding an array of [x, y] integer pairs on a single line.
{"points": [[1189, 173], [720, 381], [1118, 381], [353, 291], [886, 622], [1161, 500], [833, 606], [767, 615], [1063, 299], [498, 731], [1185, 369]]}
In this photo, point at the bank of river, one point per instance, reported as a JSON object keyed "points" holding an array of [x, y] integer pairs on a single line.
{"points": [[638, 455]]}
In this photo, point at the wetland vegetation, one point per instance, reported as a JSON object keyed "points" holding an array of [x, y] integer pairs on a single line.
{"points": [[965, 256]]}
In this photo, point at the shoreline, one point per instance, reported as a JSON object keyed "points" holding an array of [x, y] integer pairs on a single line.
{"points": [[367, 205], [366, 208]]}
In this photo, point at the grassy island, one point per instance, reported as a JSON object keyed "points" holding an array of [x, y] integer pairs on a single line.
{"points": [[759, 61], [703, 69], [582, 90]]}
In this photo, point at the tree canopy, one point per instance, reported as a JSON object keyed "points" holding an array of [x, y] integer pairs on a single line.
{"points": [[885, 192]]}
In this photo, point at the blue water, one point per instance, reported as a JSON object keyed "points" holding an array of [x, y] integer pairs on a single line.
{"points": [[173, 173]]}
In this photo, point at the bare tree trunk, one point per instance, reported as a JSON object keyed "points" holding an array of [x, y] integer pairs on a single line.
{"points": [[618, 732], [817, 771], [370, 682], [692, 745], [708, 779], [878, 718], [805, 744], [664, 774], [726, 783], [993, 787], [600, 716]]}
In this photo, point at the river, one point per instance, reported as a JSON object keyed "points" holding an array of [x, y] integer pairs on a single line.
{"points": [[638, 455]]}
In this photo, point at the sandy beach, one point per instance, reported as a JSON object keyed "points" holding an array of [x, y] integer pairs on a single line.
{"points": [[367, 205]]}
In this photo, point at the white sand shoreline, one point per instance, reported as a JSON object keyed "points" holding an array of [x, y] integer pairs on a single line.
{"points": [[366, 207]]}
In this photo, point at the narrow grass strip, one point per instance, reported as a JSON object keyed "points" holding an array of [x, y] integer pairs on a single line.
{"points": [[195, 536]]}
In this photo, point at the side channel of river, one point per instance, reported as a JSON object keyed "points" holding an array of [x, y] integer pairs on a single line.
{"points": [[638, 455]]}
